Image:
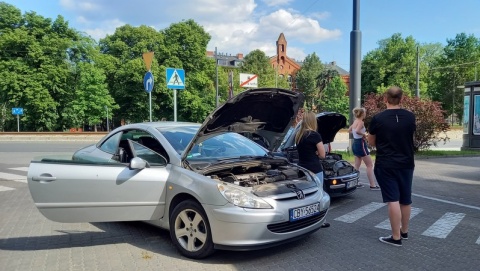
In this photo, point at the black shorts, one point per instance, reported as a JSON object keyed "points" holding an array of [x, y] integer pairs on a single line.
{"points": [[359, 147], [395, 184]]}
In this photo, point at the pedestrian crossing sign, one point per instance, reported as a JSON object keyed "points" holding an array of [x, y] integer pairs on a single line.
{"points": [[175, 78]]}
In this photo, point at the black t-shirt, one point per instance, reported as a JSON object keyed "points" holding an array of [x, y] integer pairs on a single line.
{"points": [[306, 148], [394, 130]]}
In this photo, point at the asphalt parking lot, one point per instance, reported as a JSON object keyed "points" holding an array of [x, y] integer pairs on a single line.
{"points": [[444, 234]]}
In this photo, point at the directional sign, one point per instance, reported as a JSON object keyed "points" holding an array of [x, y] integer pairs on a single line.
{"points": [[248, 80], [17, 111], [175, 78], [148, 82]]}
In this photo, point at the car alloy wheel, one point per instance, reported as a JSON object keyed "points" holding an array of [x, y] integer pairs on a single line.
{"points": [[190, 230]]}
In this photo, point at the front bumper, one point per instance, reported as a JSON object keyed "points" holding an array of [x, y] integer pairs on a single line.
{"points": [[341, 185], [236, 228]]}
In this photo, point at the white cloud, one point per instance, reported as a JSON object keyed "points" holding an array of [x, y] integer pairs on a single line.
{"points": [[80, 5], [235, 26], [277, 2], [320, 15], [297, 26]]}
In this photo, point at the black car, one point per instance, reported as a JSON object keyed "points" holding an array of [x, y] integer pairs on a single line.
{"points": [[340, 177]]}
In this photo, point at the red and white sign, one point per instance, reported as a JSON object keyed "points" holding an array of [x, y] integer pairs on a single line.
{"points": [[248, 80]]}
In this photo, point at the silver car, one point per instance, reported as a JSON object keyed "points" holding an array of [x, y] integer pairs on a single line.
{"points": [[211, 187]]}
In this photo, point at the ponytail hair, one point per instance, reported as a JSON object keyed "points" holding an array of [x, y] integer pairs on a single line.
{"points": [[358, 112]]}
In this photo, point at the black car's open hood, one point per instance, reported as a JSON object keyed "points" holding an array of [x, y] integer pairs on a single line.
{"points": [[268, 112], [329, 124]]}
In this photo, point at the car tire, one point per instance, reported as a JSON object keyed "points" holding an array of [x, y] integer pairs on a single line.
{"points": [[190, 230]]}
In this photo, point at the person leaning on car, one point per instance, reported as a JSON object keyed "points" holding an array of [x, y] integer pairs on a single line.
{"points": [[310, 147], [392, 132]]}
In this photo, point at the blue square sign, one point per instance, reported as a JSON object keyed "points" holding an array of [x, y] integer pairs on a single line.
{"points": [[17, 111], [175, 78]]}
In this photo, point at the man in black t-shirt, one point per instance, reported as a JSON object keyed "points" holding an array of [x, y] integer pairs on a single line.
{"points": [[392, 132]]}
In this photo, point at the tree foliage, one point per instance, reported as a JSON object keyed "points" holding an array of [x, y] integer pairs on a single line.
{"points": [[334, 98], [431, 125], [38, 66], [455, 66], [307, 79], [393, 63]]}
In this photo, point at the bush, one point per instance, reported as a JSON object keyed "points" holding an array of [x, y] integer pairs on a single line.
{"points": [[431, 126]]}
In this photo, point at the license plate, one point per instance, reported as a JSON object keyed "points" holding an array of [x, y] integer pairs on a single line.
{"points": [[351, 184], [304, 211]]}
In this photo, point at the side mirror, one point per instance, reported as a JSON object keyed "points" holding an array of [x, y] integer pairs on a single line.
{"points": [[137, 163]]}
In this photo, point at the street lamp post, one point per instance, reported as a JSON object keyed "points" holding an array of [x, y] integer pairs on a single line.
{"points": [[108, 126]]}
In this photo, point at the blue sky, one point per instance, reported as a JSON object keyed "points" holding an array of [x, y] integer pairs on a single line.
{"points": [[239, 26]]}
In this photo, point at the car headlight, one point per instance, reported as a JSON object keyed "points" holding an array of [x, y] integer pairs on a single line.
{"points": [[242, 199]]}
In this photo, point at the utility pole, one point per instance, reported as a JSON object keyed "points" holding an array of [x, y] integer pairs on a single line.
{"points": [[216, 79], [417, 92], [108, 126], [355, 60], [355, 63]]}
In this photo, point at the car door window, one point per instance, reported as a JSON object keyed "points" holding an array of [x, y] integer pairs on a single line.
{"points": [[111, 144], [153, 158]]}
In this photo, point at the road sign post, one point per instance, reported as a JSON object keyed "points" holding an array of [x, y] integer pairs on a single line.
{"points": [[148, 85], [175, 80], [17, 111], [148, 79]]}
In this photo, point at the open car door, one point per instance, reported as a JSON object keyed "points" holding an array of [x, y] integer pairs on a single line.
{"points": [[73, 191]]}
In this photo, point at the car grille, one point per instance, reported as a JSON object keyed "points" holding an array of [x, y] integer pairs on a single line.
{"points": [[296, 225]]}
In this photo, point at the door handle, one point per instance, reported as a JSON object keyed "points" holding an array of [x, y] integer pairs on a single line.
{"points": [[44, 179]]}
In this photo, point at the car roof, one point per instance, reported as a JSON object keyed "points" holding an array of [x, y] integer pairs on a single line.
{"points": [[160, 124]]}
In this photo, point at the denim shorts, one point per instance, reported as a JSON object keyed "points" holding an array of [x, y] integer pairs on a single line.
{"points": [[395, 184], [359, 147]]}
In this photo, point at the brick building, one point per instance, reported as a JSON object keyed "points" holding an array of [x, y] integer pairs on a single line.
{"points": [[285, 66]]}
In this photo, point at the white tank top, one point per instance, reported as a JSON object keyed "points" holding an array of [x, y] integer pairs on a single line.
{"points": [[357, 136]]}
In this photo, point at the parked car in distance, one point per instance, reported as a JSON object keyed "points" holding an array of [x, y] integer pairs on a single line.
{"points": [[211, 187], [340, 177]]}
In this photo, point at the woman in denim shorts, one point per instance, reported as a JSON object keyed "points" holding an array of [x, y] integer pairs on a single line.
{"points": [[359, 146]]}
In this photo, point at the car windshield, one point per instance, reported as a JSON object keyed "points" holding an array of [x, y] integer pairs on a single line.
{"points": [[219, 147]]}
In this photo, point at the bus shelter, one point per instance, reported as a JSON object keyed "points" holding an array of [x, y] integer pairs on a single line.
{"points": [[471, 116]]}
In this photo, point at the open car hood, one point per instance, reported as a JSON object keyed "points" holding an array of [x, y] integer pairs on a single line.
{"points": [[268, 112], [329, 123]]}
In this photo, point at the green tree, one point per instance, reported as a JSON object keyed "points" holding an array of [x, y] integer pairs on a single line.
{"points": [[186, 48], [34, 67], [334, 98], [91, 97], [307, 79], [394, 63], [453, 68], [124, 69]]}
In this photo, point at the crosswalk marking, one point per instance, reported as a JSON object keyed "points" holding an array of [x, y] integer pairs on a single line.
{"points": [[386, 223], [4, 188], [20, 168], [13, 177], [442, 227], [360, 212]]}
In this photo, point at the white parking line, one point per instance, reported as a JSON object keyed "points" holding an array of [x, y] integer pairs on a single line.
{"points": [[442, 227], [13, 177], [20, 168], [447, 201], [478, 241], [360, 212], [4, 188], [386, 223]]}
